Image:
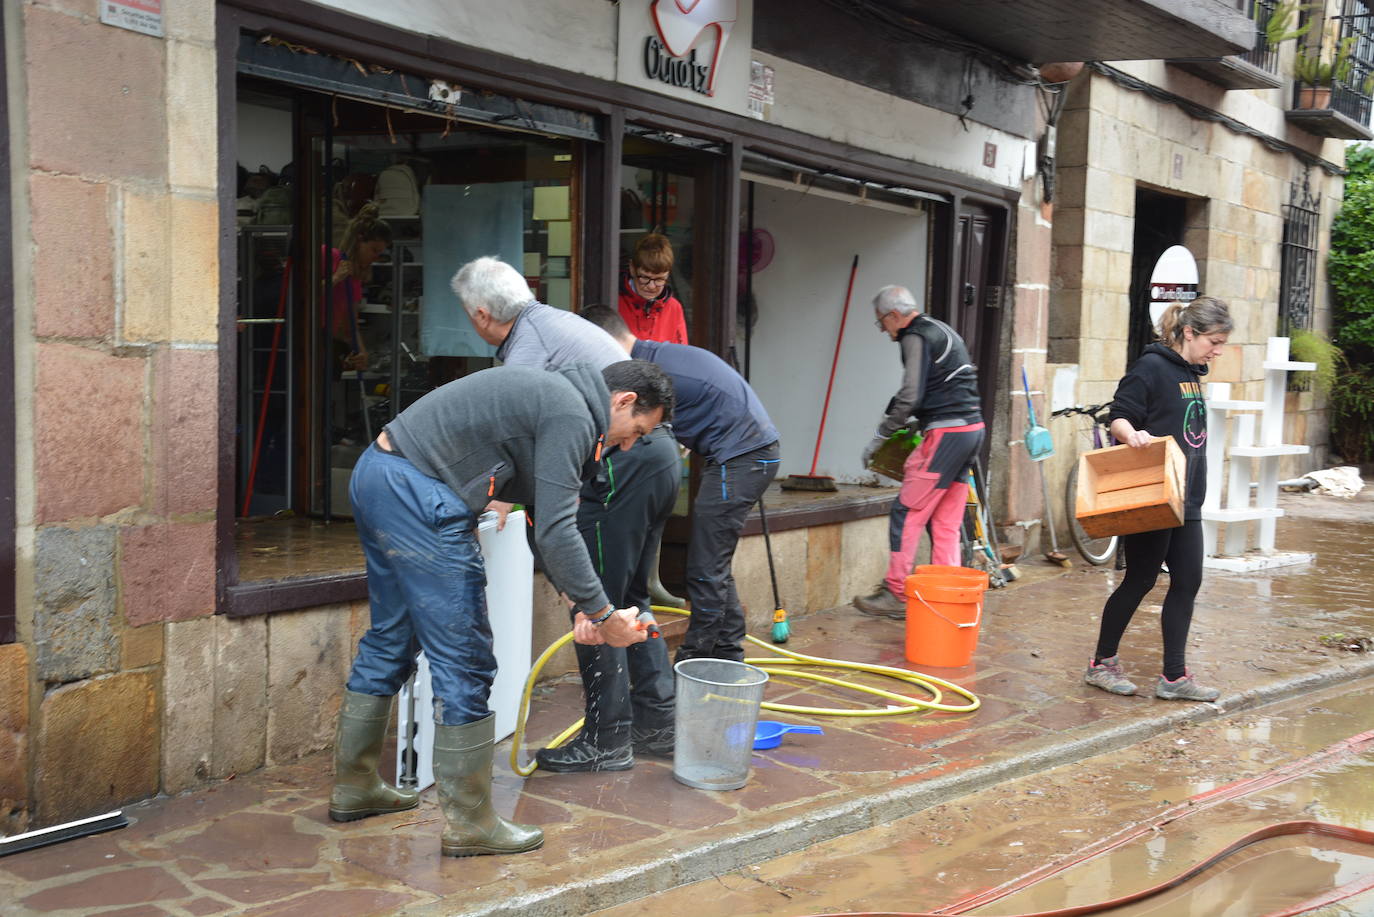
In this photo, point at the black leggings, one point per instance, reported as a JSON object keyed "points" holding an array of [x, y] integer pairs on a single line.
{"points": [[1181, 549]]}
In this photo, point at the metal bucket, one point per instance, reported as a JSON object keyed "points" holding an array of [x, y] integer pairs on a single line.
{"points": [[717, 708]]}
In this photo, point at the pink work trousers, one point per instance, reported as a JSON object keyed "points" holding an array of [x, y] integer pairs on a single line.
{"points": [[934, 492]]}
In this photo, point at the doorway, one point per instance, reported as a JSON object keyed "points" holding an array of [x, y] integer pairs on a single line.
{"points": [[975, 311], [668, 187], [1161, 221]]}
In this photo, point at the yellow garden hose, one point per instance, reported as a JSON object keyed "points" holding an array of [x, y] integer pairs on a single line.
{"points": [[786, 663]]}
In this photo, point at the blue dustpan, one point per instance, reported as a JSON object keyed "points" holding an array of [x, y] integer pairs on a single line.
{"points": [[768, 733]]}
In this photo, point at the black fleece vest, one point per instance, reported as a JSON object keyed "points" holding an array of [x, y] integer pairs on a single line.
{"points": [[951, 388]]}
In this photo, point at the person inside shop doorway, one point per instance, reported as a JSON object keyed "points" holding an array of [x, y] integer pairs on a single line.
{"points": [[719, 417], [647, 304], [365, 239], [939, 393], [509, 433]]}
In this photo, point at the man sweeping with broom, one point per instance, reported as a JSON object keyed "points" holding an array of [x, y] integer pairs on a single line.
{"points": [[717, 416], [940, 389]]}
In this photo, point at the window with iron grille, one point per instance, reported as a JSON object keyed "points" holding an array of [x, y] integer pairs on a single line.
{"points": [[1351, 95], [1298, 261]]}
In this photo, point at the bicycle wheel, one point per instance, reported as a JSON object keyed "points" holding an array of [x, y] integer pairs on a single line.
{"points": [[1096, 551]]}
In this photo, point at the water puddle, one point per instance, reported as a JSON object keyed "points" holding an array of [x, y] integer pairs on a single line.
{"points": [[957, 850]]}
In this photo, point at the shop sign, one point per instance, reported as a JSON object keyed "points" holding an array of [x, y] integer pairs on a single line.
{"points": [[135, 15], [1174, 279], [670, 55], [696, 49]]}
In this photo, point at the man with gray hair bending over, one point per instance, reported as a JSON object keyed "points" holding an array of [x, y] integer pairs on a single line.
{"points": [[524, 331], [939, 394]]}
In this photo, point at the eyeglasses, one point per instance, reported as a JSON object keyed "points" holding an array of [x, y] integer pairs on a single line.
{"points": [[645, 280], [879, 322]]}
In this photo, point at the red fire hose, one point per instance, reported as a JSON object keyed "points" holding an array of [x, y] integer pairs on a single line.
{"points": [[1320, 829]]}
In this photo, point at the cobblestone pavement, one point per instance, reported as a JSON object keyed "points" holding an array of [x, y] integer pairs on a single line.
{"points": [[263, 845]]}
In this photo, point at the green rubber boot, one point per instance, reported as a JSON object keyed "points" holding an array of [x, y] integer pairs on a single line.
{"points": [[462, 772], [358, 791]]}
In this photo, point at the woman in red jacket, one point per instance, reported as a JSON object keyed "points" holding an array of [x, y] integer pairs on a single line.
{"points": [[646, 301]]}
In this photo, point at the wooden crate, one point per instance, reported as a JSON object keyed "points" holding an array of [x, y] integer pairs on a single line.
{"points": [[1123, 490]]}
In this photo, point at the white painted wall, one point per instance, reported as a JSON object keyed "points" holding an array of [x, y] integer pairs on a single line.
{"points": [[576, 35], [800, 297]]}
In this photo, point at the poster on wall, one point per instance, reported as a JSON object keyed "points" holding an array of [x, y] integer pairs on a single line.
{"points": [[696, 50], [463, 222], [1174, 279]]}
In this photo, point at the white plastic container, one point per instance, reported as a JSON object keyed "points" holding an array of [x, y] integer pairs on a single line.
{"points": [[510, 601]]}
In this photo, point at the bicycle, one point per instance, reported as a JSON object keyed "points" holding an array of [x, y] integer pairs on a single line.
{"points": [[978, 539], [1096, 551]]}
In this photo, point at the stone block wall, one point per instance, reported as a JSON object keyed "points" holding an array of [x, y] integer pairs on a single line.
{"points": [[1113, 141], [116, 325]]}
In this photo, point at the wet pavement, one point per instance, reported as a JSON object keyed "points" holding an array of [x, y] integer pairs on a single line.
{"points": [[1110, 826], [263, 845]]}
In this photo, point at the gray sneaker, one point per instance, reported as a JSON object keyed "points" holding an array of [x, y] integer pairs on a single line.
{"points": [[583, 754], [882, 604], [1108, 675], [655, 742], [1185, 688]]}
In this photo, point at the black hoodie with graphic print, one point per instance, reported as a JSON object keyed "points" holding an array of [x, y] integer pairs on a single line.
{"points": [[1161, 394]]}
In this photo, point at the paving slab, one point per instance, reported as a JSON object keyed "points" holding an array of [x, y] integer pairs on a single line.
{"points": [[262, 844]]}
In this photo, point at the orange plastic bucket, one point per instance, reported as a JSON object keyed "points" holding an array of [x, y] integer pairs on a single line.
{"points": [[943, 613], [974, 576]]}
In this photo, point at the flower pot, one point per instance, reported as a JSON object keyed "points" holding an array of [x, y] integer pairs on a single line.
{"points": [[1314, 97]]}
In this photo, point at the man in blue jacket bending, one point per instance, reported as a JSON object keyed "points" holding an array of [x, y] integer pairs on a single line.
{"points": [[718, 416]]}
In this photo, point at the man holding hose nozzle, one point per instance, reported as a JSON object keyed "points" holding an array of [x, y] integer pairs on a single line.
{"points": [[940, 388], [510, 433]]}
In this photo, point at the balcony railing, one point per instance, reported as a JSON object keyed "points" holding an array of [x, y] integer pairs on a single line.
{"points": [[1262, 55], [1256, 68], [1347, 112]]}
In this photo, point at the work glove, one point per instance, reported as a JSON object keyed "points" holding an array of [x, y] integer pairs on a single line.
{"points": [[871, 448]]}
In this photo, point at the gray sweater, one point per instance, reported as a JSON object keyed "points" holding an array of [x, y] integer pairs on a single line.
{"points": [[520, 435], [543, 336]]}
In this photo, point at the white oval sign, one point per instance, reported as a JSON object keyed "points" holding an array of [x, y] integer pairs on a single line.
{"points": [[1174, 279]]}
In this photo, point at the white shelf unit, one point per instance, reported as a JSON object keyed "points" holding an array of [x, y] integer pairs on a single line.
{"points": [[1231, 433]]}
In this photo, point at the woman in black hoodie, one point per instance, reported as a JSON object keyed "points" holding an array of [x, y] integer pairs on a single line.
{"points": [[1161, 395]]}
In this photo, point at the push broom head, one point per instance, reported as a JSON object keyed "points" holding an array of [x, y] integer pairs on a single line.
{"points": [[814, 482]]}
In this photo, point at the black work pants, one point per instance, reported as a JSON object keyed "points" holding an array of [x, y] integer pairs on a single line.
{"points": [[621, 518], [1181, 549], [726, 494]]}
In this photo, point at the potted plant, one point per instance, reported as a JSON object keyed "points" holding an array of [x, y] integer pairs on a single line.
{"points": [[1316, 71]]}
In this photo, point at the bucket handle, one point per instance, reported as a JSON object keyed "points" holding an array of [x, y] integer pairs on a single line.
{"points": [[977, 615]]}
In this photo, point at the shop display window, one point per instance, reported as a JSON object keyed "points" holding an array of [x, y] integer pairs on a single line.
{"points": [[353, 216]]}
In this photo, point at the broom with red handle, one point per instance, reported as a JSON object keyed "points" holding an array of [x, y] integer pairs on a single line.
{"points": [[813, 481]]}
